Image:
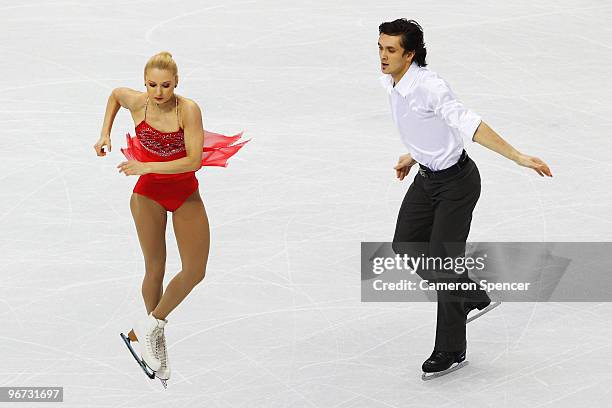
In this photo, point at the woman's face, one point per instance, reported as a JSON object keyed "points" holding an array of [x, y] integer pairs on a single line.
{"points": [[160, 85]]}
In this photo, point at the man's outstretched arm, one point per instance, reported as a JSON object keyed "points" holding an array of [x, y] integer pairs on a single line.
{"points": [[487, 137]]}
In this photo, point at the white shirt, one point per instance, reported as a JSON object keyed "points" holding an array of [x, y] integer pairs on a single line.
{"points": [[433, 124]]}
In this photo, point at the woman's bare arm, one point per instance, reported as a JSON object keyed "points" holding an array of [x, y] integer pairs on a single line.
{"points": [[119, 97]]}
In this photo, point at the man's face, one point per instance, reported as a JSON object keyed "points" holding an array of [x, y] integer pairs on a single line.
{"points": [[393, 61]]}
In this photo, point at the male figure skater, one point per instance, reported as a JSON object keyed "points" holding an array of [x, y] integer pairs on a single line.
{"points": [[435, 127]]}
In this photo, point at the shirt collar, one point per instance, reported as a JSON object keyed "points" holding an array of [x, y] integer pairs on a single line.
{"points": [[405, 84]]}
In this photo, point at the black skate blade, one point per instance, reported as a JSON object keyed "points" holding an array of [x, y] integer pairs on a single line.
{"points": [[487, 309], [142, 364], [431, 376]]}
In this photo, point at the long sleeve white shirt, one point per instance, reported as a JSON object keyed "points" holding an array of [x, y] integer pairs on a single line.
{"points": [[433, 124]]}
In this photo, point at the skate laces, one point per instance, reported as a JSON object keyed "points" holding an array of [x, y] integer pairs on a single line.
{"points": [[150, 339], [160, 347]]}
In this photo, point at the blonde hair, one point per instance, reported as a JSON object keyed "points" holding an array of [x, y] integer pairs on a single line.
{"points": [[162, 60]]}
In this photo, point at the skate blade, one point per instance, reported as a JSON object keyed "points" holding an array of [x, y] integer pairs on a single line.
{"points": [[431, 376], [147, 370], [487, 309], [164, 383]]}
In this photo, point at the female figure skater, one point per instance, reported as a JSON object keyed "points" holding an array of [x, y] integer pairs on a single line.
{"points": [[166, 160]]}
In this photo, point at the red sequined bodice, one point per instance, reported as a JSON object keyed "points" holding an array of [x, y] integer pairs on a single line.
{"points": [[160, 143]]}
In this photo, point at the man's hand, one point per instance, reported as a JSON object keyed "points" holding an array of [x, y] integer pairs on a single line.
{"points": [[403, 166], [533, 163]]}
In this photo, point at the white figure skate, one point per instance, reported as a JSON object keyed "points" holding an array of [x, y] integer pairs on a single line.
{"points": [[146, 331]]}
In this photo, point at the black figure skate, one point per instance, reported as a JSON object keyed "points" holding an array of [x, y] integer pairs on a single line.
{"points": [[483, 307], [443, 362]]}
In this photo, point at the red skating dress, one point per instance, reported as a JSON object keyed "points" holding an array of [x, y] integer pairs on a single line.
{"points": [[171, 190]]}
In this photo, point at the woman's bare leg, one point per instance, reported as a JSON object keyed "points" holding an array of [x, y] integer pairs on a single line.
{"points": [[193, 238], [150, 219]]}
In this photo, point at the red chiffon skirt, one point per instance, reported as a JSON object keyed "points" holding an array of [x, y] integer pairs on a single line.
{"points": [[171, 190], [216, 151]]}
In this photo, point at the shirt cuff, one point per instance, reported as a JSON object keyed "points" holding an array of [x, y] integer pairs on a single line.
{"points": [[469, 126]]}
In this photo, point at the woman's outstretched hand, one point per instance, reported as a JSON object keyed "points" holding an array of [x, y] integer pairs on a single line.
{"points": [[533, 163], [133, 168], [403, 166], [99, 146]]}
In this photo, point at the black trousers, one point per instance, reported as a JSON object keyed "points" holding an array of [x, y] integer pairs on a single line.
{"points": [[437, 211]]}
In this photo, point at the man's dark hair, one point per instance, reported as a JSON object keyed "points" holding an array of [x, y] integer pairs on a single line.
{"points": [[412, 37]]}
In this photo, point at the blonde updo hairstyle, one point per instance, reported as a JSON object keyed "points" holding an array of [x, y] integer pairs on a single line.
{"points": [[164, 61]]}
